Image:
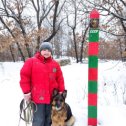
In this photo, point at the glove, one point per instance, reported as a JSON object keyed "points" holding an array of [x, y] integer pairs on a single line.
{"points": [[27, 97]]}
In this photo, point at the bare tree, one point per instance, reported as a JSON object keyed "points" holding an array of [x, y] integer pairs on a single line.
{"points": [[12, 11], [42, 11], [45, 11], [23, 29], [14, 37], [75, 21], [82, 43], [57, 19]]}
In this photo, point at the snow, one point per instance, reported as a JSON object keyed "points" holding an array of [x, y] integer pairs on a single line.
{"points": [[111, 92]]}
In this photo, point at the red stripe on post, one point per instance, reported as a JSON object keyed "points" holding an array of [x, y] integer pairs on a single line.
{"points": [[93, 48], [92, 99], [92, 74], [92, 121]]}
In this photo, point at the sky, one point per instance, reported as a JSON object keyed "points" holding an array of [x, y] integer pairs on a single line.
{"points": [[111, 83]]}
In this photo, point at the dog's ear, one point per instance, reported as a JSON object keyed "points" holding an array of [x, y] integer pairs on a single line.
{"points": [[55, 92], [64, 94]]}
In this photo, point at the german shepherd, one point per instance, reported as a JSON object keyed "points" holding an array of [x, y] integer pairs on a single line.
{"points": [[61, 114]]}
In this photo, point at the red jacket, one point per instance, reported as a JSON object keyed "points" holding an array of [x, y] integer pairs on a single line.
{"points": [[40, 76]]}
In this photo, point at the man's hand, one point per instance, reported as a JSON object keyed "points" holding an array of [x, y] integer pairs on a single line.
{"points": [[27, 97]]}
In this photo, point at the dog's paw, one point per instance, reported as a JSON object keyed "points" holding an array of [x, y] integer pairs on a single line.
{"points": [[71, 121]]}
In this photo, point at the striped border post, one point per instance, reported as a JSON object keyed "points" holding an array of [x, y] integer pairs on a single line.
{"points": [[93, 67]]}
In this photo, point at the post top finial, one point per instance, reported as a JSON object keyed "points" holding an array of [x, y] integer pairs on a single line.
{"points": [[94, 14]]}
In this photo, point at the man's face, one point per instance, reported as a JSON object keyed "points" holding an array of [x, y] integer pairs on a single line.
{"points": [[46, 53]]}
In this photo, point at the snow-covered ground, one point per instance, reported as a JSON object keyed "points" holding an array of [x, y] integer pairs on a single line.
{"points": [[111, 93]]}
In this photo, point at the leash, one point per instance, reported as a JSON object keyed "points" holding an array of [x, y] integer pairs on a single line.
{"points": [[27, 110]]}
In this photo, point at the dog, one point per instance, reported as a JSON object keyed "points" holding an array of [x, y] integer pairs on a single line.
{"points": [[61, 114]]}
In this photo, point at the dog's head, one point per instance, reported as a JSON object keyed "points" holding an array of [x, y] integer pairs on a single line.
{"points": [[58, 99]]}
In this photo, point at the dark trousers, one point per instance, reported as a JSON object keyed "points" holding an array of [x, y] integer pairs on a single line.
{"points": [[42, 117]]}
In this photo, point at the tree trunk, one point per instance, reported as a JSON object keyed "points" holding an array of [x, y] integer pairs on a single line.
{"points": [[28, 50], [11, 50], [75, 46], [22, 55], [82, 44]]}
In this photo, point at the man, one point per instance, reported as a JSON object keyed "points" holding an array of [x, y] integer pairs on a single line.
{"points": [[39, 76]]}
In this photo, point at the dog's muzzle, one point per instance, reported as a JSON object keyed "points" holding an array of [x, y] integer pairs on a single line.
{"points": [[58, 105]]}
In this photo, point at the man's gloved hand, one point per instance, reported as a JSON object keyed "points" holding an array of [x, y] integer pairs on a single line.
{"points": [[27, 97]]}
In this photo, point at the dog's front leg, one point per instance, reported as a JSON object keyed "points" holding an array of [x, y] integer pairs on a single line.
{"points": [[70, 122]]}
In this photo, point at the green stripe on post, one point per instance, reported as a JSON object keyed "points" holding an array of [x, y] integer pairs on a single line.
{"points": [[93, 61], [92, 111], [93, 35], [92, 86]]}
